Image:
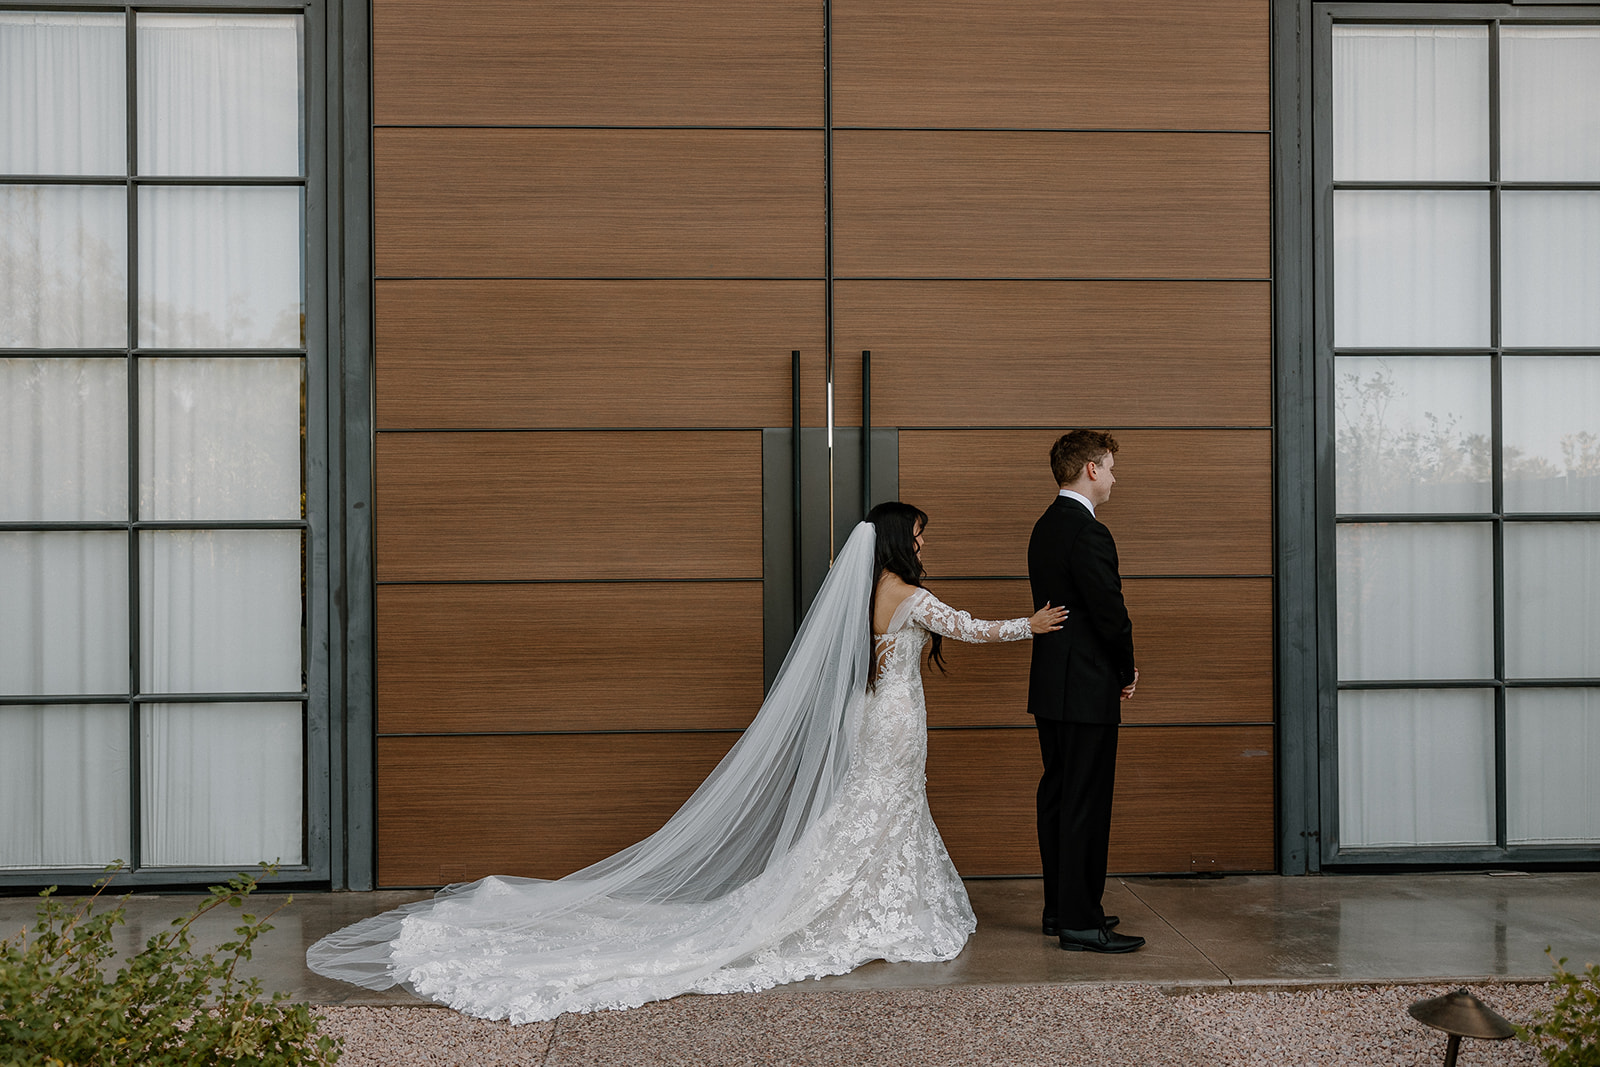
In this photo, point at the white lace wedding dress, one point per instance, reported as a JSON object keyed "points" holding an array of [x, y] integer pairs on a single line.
{"points": [[809, 851]]}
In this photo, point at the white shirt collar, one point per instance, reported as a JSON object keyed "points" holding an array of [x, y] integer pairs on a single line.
{"points": [[1080, 498]]}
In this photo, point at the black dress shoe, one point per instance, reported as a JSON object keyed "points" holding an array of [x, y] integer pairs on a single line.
{"points": [[1099, 939], [1052, 927]]}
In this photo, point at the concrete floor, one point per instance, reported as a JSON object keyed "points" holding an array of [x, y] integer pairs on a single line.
{"points": [[1203, 933]]}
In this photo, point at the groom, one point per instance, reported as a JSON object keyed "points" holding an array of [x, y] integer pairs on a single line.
{"points": [[1080, 675]]}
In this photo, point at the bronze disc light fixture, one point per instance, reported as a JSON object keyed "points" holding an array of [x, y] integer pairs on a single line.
{"points": [[1460, 1014]]}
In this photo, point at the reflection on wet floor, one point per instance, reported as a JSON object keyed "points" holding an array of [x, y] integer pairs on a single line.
{"points": [[1246, 930]]}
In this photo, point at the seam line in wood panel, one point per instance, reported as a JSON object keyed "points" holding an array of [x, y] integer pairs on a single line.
{"points": [[602, 126], [740, 730], [1246, 130], [561, 581], [567, 733], [1024, 577], [569, 429], [1045, 129], [752, 429], [1102, 426], [1040, 278], [626, 278]]}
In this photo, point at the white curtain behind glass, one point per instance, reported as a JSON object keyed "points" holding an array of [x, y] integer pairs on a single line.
{"points": [[1416, 767], [223, 784], [63, 785], [1550, 103], [1551, 407], [1412, 103], [220, 267], [219, 438], [63, 266], [1552, 750], [63, 613], [63, 440], [220, 95], [62, 85]]}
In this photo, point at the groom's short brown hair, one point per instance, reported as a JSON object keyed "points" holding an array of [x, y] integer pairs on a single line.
{"points": [[1075, 448]]}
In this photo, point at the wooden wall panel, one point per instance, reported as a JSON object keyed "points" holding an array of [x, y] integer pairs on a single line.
{"points": [[1193, 798], [568, 505], [1204, 649], [994, 353], [452, 809], [512, 354], [598, 63], [569, 656], [1167, 64], [1184, 794], [598, 203], [1187, 502], [981, 204]]}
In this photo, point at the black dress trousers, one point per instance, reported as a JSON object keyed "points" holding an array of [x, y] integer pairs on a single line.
{"points": [[1080, 772]]}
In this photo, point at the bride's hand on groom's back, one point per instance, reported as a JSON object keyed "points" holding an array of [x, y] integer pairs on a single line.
{"points": [[1047, 619]]}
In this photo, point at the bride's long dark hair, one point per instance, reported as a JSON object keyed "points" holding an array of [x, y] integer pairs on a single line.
{"points": [[895, 525]]}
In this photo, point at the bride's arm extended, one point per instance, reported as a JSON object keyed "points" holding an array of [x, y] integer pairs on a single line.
{"points": [[941, 618]]}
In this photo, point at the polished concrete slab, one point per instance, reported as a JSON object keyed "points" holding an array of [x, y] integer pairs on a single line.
{"points": [[1202, 933]]}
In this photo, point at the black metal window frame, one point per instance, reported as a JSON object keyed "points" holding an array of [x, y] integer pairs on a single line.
{"points": [[320, 258], [1325, 354]]}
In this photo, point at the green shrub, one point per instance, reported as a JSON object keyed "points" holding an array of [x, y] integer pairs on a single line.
{"points": [[167, 1006], [1568, 1035]]}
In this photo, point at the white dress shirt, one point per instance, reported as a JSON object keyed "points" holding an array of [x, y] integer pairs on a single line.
{"points": [[1080, 498]]}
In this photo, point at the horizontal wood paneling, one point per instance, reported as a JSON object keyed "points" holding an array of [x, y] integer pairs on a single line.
{"points": [[1204, 649], [1182, 792], [1186, 502], [1170, 64], [602, 63], [568, 505], [569, 656], [452, 809], [952, 353], [510, 354], [935, 204], [598, 203]]}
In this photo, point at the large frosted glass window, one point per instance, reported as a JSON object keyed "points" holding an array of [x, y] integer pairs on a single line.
{"points": [[153, 527], [1464, 296]]}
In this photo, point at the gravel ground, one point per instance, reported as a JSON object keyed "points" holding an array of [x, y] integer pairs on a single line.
{"points": [[951, 1027]]}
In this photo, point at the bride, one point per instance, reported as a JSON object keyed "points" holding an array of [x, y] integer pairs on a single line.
{"points": [[807, 851]]}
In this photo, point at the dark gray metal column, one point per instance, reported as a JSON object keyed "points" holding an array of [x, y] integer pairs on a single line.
{"points": [[1295, 440], [352, 593]]}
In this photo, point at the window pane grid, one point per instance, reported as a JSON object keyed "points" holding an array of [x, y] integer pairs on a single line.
{"points": [[134, 356], [1502, 520]]}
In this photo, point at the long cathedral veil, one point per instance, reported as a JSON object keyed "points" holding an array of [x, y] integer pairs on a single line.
{"points": [[703, 893]]}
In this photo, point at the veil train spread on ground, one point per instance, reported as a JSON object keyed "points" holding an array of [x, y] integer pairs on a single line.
{"points": [[707, 903]]}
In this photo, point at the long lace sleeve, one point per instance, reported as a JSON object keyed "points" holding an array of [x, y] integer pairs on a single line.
{"points": [[934, 614]]}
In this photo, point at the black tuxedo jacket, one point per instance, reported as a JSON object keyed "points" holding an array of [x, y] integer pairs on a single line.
{"points": [[1080, 670]]}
